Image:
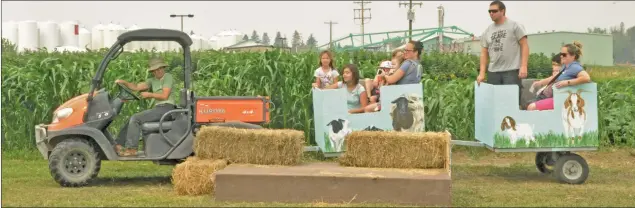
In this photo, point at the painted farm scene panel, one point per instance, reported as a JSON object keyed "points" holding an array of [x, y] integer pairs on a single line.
{"points": [[402, 110], [573, 122]]}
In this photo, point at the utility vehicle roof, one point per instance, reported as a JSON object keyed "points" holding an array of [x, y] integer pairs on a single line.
{"points": [[156, 35]]}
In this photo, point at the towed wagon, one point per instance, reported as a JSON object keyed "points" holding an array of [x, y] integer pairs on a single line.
{"points": [[499, 124]]}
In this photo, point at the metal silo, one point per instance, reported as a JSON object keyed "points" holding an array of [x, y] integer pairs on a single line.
{"points": [[69, 33], [97, 37], [10, 31], [110, 35], [85, 39], [29, 36], [49, 34]]}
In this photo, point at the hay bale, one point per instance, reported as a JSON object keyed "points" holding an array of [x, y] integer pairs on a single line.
{"points": [[196, 176], [251, 146], [392, 149]]}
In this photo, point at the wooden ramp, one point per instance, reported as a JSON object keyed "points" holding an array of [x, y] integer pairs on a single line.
{"points": [[332, 183]]}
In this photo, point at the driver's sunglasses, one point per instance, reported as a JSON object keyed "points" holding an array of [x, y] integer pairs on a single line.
{"points": [[492, 11]]}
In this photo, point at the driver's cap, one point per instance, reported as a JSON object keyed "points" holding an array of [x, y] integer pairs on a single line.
{"points": [[156, 63]]}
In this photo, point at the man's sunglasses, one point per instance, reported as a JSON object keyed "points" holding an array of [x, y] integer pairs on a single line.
{"points": [[492, 11], [563, 54]]}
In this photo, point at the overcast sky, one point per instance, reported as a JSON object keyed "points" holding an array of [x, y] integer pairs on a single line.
{"points": [[308, 17]]}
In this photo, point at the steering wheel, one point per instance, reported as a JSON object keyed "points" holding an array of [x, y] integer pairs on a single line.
{"points": [[125, 93]]}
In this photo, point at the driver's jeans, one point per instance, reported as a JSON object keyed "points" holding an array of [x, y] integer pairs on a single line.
{"points": [[130, 132]]}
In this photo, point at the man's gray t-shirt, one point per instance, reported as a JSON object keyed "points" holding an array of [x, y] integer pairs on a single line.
{"points": [[502, 44]]}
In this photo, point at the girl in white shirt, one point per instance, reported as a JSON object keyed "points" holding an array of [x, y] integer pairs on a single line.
{"points": [[326, 74]]}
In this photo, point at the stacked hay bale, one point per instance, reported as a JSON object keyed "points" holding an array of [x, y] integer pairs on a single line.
{"points": [[195, 176], [250, 146], [393, 149], [216, 147]]}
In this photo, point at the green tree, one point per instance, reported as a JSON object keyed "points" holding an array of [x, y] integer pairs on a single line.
{"points": [[311, 42], [254, 36], [265, 38], [597, 30], [296, 40]]}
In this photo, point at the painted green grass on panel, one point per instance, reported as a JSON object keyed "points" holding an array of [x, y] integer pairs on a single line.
{"points": [[548, 140]]}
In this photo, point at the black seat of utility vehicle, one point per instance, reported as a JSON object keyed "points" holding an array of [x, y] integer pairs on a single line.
{"points": [[153, 127]]}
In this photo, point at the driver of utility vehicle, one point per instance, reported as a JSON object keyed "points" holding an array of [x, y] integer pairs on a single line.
{"points": [[160, 87]]}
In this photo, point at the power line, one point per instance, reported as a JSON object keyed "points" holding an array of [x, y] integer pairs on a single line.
{"points": [[411, 15], [330, 33], [362, 16]]}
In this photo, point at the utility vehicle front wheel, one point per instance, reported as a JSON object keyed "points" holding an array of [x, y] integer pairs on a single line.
{"points": [[74, 162]]}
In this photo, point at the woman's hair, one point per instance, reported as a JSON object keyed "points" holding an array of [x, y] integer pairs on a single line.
{"points": [[354, 71], [556, 59], [327, 52], [574, 49], [417, 45]]}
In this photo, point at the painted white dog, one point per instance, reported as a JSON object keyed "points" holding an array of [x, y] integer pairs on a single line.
{"points": [[337, 133], [517, 131], [573, 116]]}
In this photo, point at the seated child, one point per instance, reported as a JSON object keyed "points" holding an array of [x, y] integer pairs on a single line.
{"points": [[396, 60], [379, 81], [373, 85]]}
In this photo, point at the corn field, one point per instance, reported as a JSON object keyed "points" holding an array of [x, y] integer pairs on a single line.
{"points": [[35, 83]]}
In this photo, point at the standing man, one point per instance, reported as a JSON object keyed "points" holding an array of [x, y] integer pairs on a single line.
{"points": [[504, 42], [160, 87]]}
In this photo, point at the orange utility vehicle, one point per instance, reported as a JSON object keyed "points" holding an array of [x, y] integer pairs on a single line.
{"points": [[77, 139]]}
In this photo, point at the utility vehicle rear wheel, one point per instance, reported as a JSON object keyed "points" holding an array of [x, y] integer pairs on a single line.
{"points": [[74, 162]]}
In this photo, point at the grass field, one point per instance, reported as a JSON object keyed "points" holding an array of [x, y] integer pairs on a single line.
{"points": [[548, 140], [480, 178]]}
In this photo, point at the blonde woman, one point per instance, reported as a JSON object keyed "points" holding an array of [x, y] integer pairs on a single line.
{"points": [[572, 74]]}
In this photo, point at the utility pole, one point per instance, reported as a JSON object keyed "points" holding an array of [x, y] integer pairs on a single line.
{"points": [[441, 19], [330, 33], [362, 16], [181, 16], [411, 15]]}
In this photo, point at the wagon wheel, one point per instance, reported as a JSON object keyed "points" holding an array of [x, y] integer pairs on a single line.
{"points": [[544, 162], [571, 168]]}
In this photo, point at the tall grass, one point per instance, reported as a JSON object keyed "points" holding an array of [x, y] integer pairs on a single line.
{"points": [[35, 83]]}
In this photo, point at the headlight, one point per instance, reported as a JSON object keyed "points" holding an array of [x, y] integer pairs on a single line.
{"points": [[62, 114]]}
